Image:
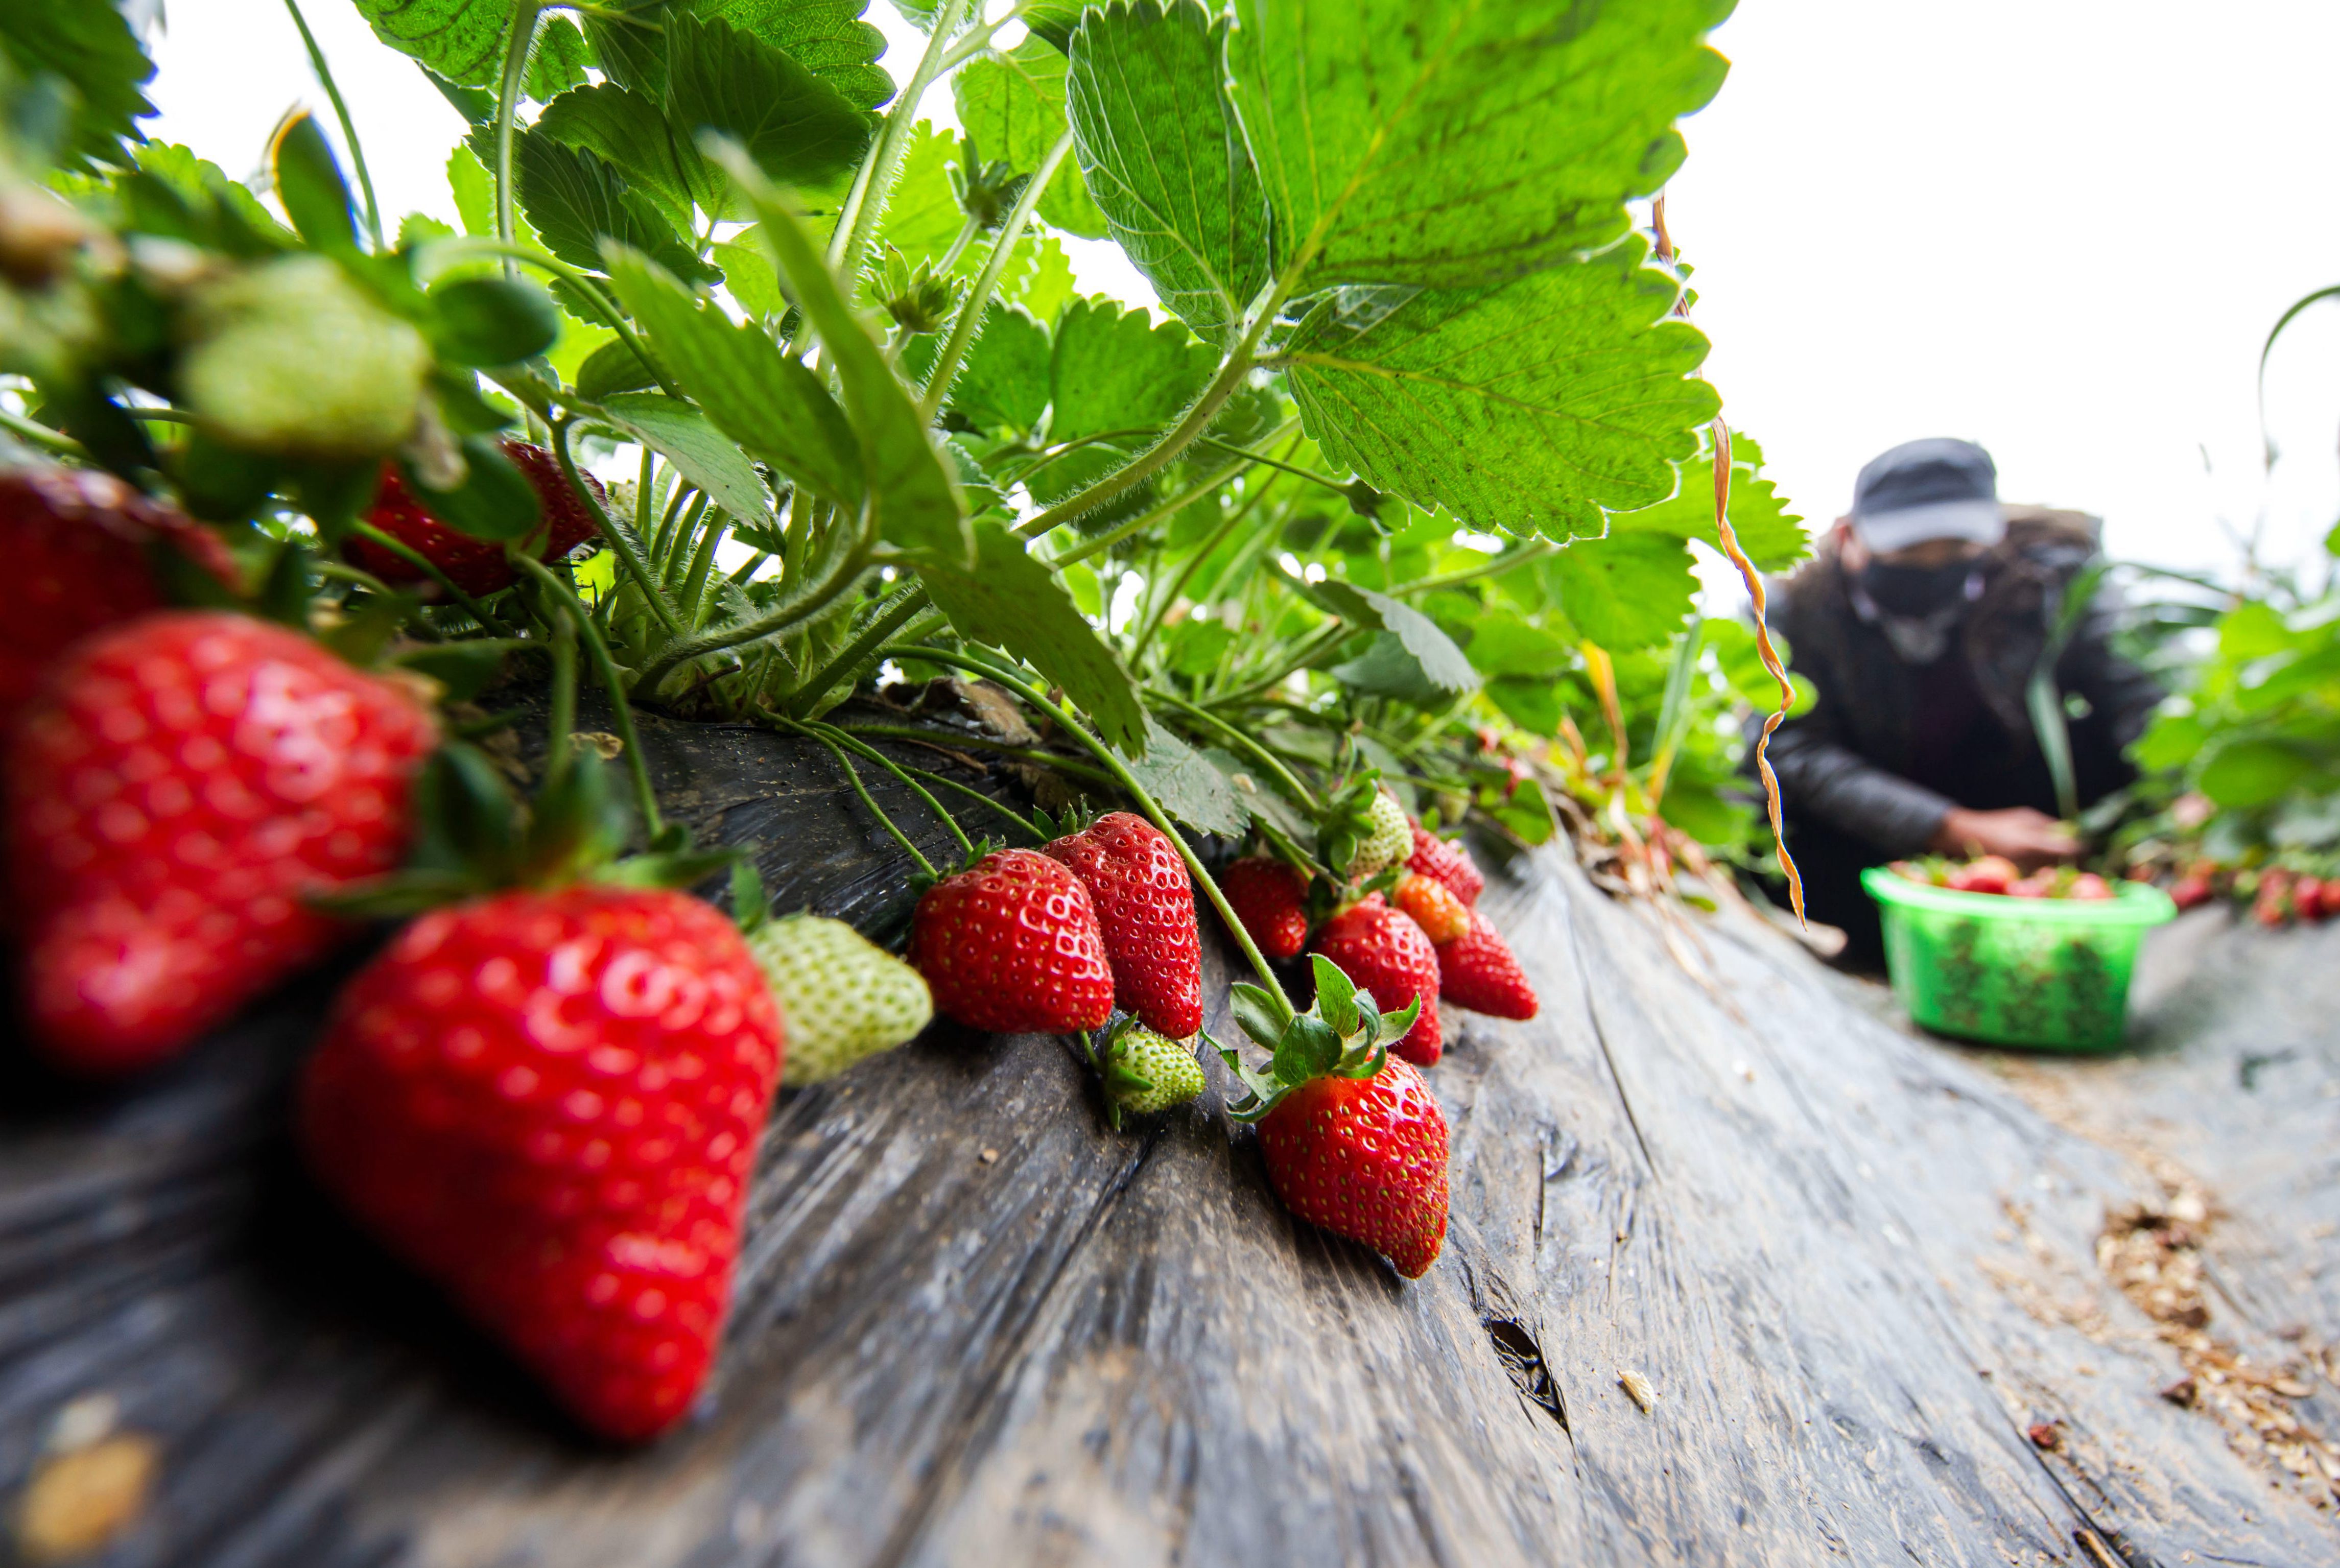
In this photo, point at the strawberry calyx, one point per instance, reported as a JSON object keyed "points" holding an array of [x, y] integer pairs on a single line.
{"points": [[474, 836], [1340, 1035], [1117, 1059]]}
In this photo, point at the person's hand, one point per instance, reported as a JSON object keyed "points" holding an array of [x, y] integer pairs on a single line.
{"points": [[2029, 838]]}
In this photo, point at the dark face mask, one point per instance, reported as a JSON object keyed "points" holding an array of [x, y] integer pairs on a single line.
{"points": [[1916, 590]]}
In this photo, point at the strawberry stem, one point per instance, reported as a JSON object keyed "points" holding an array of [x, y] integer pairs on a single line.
{"points": [[1136, 792], [863, 748], [624, 548], [621, 712], [875, 811]]}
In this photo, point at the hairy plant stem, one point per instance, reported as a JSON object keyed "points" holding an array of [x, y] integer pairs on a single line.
{"points": [[854, 779], [1147, 519], [1162, 603], [872, 638], [1323, 641], [862, 748], [615, 536], [524, 14], [876, 180], [1494, 566], [42, 436], [1231, 374], [1008, 749], [979, 298], [816, 597], [621, 712], [973, 794], [341, 113], [1137, 792]]}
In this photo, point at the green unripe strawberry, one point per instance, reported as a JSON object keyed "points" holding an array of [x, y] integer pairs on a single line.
{"points": [[1389, 838], [291, 357], [1145, 1072], [842, 996]]}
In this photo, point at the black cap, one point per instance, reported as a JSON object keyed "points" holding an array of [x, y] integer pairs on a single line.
{"points": [[1939, 487]]}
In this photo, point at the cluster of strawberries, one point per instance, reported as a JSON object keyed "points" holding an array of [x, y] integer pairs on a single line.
{"points": [[2276, 894], [546, 1091], [1054, 940], [1996, 874]]}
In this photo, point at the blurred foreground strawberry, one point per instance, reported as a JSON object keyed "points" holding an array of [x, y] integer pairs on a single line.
{"points": [[1012, 946], [546, 1093], [1382, 950], [178, 788], [1145, 911], [1353, 1140], [477, 566], [82, 548]]}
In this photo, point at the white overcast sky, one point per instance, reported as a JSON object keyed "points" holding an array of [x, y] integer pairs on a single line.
{"points": [[2058, 227]]}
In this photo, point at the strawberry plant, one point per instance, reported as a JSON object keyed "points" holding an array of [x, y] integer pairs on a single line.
{"points": [[763, 399]]}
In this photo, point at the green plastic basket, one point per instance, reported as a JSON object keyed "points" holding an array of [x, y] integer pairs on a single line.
{"points": [[2050, 973]]}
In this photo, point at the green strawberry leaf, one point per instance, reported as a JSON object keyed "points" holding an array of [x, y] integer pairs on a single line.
{"points": [[689, 440], [308, 180], [916, 503], [557, 60], [827, 37], [1501, 644], [800, 130], [1336, 996], [628, 132], [460, 40], [1255, 1013], [766, 402], [1011, 599], [1003, 383], [1308, 1049], [1012, 107], [91, 49], [1630, 590], [1413, 653], [1529, 406], [1771, 536], [576, 201], [613, 368], [1164, 158], [1457, 143], [490, 321], [1186, 786], [1115, 369]]}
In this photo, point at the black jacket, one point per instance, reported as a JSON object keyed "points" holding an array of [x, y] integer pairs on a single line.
{"points": [[1845, 762]]}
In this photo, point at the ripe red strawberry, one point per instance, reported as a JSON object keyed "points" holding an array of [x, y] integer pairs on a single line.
{"points": [[548, 1102], [1145, 911], [176, 787], [1384, 952], [1013, 947], [1364, 1158], [1477, 970], [1432, 905], [1268, 897], [78, 546], [474, 565], [1446, 860]]}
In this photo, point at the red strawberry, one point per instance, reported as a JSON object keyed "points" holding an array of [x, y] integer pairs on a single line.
{"points": [[474, 565], [176, 787], [1446, 861], [1432, 905], [78, 546], [1145, 911], [2313, 899], [549, 1103], [1477, 970], [1384, 952], [1268, 897], [2191, 889], [1364, 1158], [1013, 947]]}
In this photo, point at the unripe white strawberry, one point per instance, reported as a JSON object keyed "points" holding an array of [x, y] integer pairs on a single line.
{"points": [[291, 357], [1391, 840], [842, 996]]}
